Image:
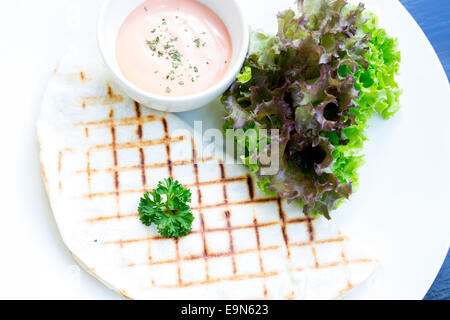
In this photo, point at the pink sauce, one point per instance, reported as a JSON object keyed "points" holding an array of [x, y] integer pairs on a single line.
{"points": [[173, 47]]}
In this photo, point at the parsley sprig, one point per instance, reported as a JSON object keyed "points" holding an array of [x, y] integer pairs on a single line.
{"points": [[167, 207]]}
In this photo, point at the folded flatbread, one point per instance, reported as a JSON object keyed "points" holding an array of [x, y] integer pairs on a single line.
{"points": [[100, 151]]}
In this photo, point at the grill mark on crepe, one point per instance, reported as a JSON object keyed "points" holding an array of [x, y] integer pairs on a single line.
{"points": [[314, 252], [265, 275], [283, 227], [244, 227], [310, 228], [79, 76], [134, 145], [342, 263], [115, 161], [311, 239], [163, 165], [211, 255], [258, 246], [110, 99], [308, 243], [177, 252], [110, 92], [221, 279], [142, 160], [207, 230], [230, 235], [107, 101], [139, 118], [345, 261], [59, 170], [251, 192], [200, 211], [106, 123], [167, 143], [141, 150], [240, 252], [60, 159], [88, 174], [206, 206], [227, 214]]}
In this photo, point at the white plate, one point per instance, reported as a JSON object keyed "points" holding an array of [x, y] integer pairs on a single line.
{"points": [[400, 211]]}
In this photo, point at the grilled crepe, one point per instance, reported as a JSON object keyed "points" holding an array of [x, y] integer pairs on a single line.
{"points": [[100, 151]]}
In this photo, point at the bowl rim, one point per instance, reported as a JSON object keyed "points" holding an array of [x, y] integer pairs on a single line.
{"points": [[217, 87]]}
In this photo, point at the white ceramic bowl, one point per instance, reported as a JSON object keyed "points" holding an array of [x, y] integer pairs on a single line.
{"points": [[114, 13]]}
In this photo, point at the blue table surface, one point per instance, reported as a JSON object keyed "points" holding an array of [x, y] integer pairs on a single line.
{"points": [[433, 16]]}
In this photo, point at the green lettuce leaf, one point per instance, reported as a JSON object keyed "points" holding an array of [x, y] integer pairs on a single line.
{"points": [[319, 80]]}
